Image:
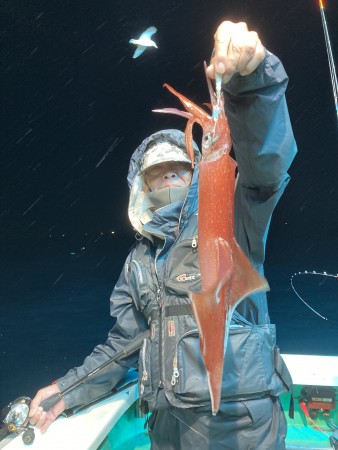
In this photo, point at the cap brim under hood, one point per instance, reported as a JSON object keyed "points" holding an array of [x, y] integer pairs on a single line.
{"points": [[138, 202]]}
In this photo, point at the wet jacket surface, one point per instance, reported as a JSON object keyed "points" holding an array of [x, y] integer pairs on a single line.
{"points": [[163, 266]]}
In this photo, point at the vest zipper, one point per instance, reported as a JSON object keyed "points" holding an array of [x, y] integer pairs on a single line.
{"points": [[144, 373], [139, 270], [176, 374], [160, 330], [160, 335]]}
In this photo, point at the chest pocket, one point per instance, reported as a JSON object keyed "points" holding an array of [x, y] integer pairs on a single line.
{"points": [[183, 268], [143, 285]]}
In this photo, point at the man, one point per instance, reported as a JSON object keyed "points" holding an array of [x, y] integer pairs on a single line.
{"points": [[163, 266]]}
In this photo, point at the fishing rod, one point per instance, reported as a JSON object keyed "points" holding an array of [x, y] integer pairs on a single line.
{"points": [[311, 273], [128, 350], [14, 417]]}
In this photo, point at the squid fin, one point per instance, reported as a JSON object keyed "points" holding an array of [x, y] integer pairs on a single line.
{"points": [[213, 310]]}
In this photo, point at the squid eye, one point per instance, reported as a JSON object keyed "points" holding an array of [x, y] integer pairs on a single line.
{"points": [[207, 140]]}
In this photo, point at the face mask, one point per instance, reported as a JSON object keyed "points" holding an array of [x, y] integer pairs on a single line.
{"points": [[163, 197]]}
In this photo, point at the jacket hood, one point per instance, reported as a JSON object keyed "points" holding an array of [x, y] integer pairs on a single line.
{"points": [[139, 213]]}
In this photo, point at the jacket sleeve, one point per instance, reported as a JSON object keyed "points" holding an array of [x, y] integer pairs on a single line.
{"points": [[129, 323], [264, 147], [260, 125]]}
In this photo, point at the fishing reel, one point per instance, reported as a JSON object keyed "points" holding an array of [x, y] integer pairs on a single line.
{"points": [[14, 420]]}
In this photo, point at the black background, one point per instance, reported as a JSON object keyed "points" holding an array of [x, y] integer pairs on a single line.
{"points": [[75, 105]]}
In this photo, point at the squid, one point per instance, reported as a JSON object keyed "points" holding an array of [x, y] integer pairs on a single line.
{"points": [[227, 275]]}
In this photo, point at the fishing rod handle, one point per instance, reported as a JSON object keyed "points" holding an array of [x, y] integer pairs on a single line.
{"points": [[135, 344], [51, 401], [131, 348]]}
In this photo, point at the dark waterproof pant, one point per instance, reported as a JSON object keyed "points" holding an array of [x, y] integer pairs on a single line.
{"points": [[250, 425]]}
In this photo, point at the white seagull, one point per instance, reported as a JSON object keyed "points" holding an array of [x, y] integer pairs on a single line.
{"points": [[144, 41]]}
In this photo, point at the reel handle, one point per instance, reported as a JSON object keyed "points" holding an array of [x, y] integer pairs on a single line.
{"points": [[51, 401]]}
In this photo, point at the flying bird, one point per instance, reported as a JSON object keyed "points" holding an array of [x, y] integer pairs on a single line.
{"points": [[144, 41]]}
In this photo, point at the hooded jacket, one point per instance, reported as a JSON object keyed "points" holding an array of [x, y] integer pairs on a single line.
{"points": [[163, 265]]}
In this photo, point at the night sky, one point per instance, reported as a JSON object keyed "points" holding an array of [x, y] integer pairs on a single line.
{"points": [[74, 106]]}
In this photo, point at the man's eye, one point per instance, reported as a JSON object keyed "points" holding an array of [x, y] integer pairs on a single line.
{"points": [[152, 173]]}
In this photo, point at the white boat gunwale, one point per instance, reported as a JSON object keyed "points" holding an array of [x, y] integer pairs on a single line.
{"points": [[87, 429]]}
